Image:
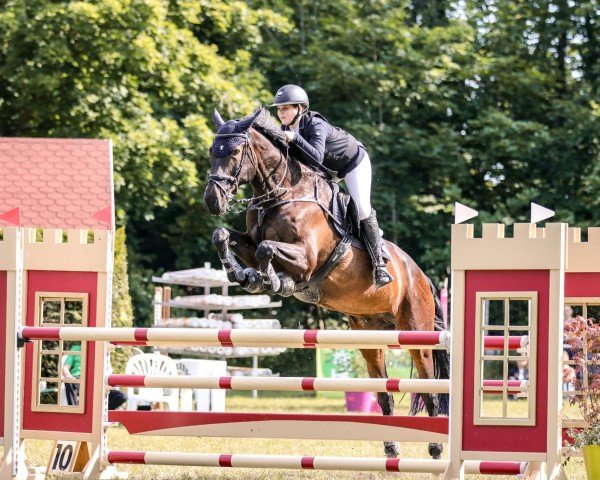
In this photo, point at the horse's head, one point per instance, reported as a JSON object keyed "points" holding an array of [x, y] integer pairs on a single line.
{"points": [[231, 162]]}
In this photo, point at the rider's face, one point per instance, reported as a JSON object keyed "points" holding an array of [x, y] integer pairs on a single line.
{"points": [[286, 113]]}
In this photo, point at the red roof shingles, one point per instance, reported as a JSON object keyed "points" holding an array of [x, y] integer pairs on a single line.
{"points": [[56, 183]]}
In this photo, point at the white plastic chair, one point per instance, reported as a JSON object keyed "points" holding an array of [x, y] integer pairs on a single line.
{"points": [[152, 364]]}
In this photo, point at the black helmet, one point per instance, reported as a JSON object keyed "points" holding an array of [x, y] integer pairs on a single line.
{"points": [[290, 95]]}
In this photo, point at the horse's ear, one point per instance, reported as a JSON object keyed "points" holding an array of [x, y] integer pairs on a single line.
{"points": [[217, 119], [245, 123]]}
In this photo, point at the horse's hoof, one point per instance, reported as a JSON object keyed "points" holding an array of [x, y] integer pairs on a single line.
{"points": [[253, 281], [391, 449], [435, 450]]}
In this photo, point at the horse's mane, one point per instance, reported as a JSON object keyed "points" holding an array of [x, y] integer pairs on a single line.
{"points": [[267, 126]]}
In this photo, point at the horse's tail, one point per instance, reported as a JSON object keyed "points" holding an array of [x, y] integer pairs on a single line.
{"points": [[441, 363]]}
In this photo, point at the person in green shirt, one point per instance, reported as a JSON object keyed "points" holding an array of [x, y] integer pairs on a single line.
{"points": [[72, 369]]}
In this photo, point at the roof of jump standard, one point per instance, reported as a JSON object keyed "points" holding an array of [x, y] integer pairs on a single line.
{"points": [[56, 183]]}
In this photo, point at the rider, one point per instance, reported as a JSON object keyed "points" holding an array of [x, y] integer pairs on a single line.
{"points": [[315, 140]]}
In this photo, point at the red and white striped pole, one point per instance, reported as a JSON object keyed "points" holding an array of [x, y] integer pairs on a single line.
{"points": [[299, 384], [311, 463], [379, 339]]}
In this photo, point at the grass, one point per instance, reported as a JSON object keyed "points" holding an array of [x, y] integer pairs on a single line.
{"points": [[39, 451]]}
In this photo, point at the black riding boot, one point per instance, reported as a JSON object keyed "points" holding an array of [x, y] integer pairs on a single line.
{"points": [[370, 235]]}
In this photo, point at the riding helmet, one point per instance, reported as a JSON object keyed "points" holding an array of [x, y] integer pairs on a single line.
{"points": [[290, 95]]}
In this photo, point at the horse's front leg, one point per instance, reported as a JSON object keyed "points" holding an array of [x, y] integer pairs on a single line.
{"points": [[243, 246], [375, 359], [291, 257], [423, 361]]}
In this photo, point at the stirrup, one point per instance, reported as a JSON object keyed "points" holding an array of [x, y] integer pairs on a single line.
{"points": [[381, 277]]}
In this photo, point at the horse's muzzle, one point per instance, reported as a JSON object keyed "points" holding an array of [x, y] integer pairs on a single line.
{"points": [[215, 200]]}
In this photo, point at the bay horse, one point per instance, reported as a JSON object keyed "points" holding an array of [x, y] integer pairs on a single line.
{"points": [[290, 240]]}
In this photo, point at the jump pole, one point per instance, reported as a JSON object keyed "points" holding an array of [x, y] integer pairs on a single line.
{"points": [[305, 384], [297, 462], [264, 337]]}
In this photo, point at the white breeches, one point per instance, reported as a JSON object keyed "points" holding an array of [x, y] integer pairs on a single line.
{"points": [[358, 182]]}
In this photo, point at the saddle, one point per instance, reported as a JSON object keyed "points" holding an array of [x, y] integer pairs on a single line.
{"points": [[344, 215]]}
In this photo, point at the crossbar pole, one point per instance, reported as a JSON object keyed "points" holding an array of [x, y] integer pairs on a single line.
{"points": [[284, 338], [305, 462], [290, 384]]}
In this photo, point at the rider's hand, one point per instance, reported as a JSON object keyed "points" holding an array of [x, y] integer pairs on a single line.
{"points": [[289, 135]]}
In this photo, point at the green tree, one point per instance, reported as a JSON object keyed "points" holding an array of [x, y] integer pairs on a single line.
{"points": [[122, 308], [146, 74]]}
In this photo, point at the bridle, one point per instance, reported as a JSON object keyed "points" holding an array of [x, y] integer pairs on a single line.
{"points": [[273, 197], [232, 181]]}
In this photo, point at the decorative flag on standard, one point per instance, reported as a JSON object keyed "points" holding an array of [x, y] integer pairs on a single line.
{"points": [[462, 213], [539, 213]]}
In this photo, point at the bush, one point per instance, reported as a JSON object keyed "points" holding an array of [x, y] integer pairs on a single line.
{"points": [[583, 336]]}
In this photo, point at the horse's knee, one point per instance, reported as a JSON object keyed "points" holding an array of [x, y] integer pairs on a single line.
{"points": [[265, 252], [220, 237]]}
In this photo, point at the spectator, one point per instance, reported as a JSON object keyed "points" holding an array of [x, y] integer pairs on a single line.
{"points": [[518, 371], [116, 398], [72, 370]]}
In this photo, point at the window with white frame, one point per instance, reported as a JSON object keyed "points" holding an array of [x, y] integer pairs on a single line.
{"points": [[60, 365], [505, 367]]}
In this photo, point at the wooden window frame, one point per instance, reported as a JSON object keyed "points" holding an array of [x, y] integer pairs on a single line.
{"points": [[63, 297], [531, 356]]}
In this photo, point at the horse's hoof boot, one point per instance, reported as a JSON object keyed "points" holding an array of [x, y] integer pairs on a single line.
{"points": [[288, 286], [253, 281], [391, 449], [435, 450]]}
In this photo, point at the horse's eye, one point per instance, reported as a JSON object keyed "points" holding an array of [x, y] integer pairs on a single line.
{"points": [[236, 151]]}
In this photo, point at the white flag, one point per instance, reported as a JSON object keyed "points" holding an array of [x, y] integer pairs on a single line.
{"points": [[539, 213], [462, 213]]}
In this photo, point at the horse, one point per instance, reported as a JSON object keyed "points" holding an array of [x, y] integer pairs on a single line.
{"points": [[290, 241]]}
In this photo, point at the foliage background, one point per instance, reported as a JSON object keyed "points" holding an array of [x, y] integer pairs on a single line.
{"points": [[493, 103]]}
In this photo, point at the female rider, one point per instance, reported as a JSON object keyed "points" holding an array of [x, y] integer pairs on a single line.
{"points": [[315, 141]]}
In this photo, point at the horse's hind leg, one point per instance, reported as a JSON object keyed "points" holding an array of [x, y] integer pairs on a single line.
{"points": [[289, 256], [423, 361], [243, 246], [376, 367]]}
